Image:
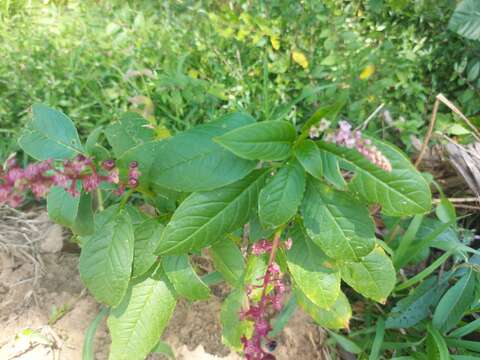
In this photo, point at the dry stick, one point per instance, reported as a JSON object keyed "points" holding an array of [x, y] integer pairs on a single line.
{"points": [[372, 115], [429, 132], [452, 107], [458, 200]]}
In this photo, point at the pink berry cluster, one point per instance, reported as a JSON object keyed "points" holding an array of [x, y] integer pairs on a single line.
{"points": [[39, 177], [262, 311], [344, 136]]}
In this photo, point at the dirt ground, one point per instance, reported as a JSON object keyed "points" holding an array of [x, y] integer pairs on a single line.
{"points": [[45, 309]]}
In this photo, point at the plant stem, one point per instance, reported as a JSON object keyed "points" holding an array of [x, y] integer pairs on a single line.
{"points": [[271, 259], [125, 198]]}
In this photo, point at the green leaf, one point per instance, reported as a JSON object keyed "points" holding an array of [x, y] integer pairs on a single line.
{"points": [[191, 161], [456, 301], [205, 217], [62, 207], [331, 170], [284, 316], [417, 306], [377, 342], [184, 279], [337, 317], [345, 343], [279, 199], [373, 276], [466, 329], [50, 135], [138, 322], [328, 112], [465, 20], [311, 271], [93, 147], [129, 131], [336, 222], [445, 211], [107, 256], [401, 192], [271, 140], [72, 212], [228, 260], [232, 327], [147, 234], [164, 349], [87, 350], [436, 345], [309, 155]]}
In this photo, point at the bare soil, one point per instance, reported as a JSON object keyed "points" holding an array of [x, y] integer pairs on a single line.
{"points": [[33, 284]]}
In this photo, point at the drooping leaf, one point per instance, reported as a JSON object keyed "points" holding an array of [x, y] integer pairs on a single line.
{"points": [[164, 349], [280, 198], [107, 255], [271, 140], [191, 161], [72, 212], [401, 192], [50, 135], [465, 20], [129, 131], [183, 278], [336, 222], [138, 322], [232, 327], [311, 271], [205, 217], [147, 233], [228, 260], [456, 301], [373, 276], [93, 146], [62, 207], [337, 317]]}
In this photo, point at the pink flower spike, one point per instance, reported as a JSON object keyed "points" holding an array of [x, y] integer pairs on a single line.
{"points": [[90, 182]]}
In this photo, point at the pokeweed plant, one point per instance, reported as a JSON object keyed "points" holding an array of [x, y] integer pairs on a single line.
{"points": [[279, 209]]}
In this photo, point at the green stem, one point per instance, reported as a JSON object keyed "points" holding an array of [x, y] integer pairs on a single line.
{"points": [[125, 198]]}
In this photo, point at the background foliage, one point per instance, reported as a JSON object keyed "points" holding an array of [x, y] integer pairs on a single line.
{"points": [[180, 61]]}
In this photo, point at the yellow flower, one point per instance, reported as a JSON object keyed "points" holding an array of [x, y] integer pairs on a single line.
{"points": [[300, 59], [275, 42], [367, 72]]}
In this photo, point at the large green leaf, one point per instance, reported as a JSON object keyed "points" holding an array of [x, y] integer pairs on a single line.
{"points": [[336, 222], [309, 155], [228, 260], [311, 271], [465, 20], [232, 327], [73, 212], [271, 140], [184, 279], [129, 131], [191, 161], [280, 198], [401, 192], [147, 234], [50, 135], [107, 256], [373, 276], [205, 217], [138, 322], [456, 301], [337, 317]]}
